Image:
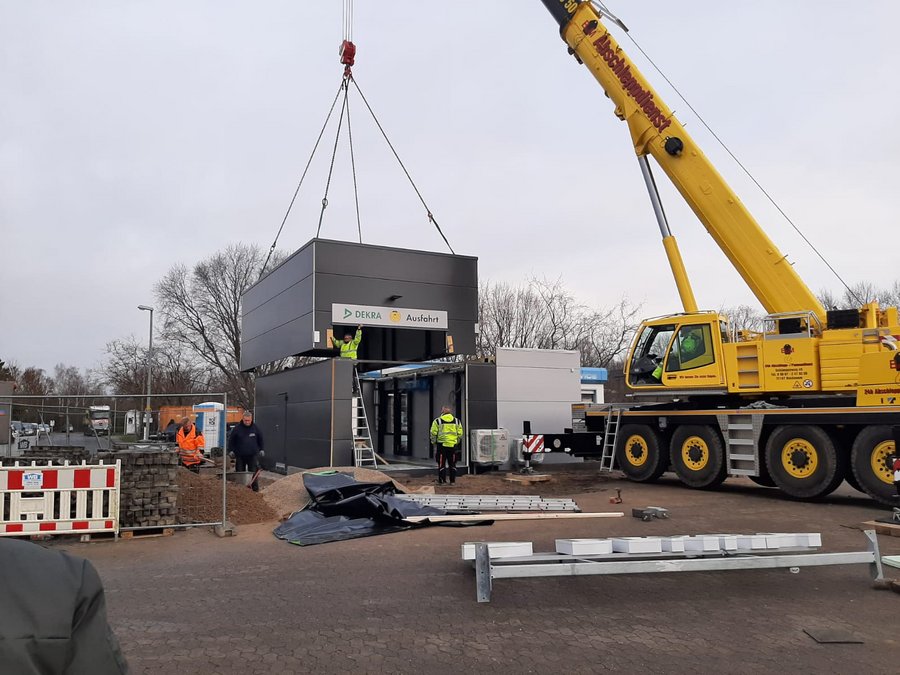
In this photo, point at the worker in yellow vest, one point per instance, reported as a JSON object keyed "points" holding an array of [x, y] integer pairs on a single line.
{"points": [[446, 434], [349, 345]]}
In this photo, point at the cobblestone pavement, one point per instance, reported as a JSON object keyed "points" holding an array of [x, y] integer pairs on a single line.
{"points": [[193, 603]]}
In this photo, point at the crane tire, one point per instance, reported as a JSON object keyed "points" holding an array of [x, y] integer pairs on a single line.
{"points": [[697, 454], [638, 453], [869, 461], [804, 462]]}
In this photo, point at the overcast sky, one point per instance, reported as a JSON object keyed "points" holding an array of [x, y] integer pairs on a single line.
{"points": [[134, 135]]}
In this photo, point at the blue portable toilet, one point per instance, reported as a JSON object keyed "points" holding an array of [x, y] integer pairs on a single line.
{"points": [[210, 420]]}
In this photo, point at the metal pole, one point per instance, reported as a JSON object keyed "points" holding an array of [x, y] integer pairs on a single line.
{"points": [[146, 308], [685, 292], [225, 461]]}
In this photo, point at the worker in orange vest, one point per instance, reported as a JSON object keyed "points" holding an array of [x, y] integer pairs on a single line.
{"points": [[190, 444]]}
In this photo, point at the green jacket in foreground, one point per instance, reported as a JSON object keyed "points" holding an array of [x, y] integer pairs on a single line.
{"points": [[53, 614]]}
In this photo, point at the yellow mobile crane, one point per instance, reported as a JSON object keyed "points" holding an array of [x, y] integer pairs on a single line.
{"points": [[810, 401]]}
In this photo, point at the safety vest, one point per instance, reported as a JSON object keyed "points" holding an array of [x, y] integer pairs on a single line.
{"points": [[189, 445], [348, 349], [446, 430]]}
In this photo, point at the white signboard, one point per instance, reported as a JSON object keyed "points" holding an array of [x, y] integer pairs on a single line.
{"points": [[33, 480], [396, 317]]}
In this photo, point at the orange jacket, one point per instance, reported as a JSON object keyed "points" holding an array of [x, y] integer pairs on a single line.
{"points": [[189, 445]]}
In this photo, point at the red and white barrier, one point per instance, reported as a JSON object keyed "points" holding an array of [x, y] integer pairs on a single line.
{"points": [[533, 444], [37, 499]]}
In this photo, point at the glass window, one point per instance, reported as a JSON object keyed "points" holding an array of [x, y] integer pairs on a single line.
{"points": [[692, 348], [646, 362]]}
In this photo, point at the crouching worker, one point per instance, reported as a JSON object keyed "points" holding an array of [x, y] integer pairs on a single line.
{"points": [[190, 445], [245, 443]]}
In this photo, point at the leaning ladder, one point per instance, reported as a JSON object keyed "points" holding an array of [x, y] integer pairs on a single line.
{"points": [[363, 452], [610, 436]]}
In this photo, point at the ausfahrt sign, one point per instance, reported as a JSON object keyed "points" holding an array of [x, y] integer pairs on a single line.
{"points": [[394, 317]]}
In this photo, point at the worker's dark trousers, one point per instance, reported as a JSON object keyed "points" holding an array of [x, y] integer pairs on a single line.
{"points": [[245, 463], [446, 463]]}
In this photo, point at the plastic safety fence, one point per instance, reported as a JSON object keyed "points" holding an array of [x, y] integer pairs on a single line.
{"points": [[342, 508], [47, 499]]}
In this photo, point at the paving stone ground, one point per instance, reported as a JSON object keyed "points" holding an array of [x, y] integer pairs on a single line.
{"points": [[405, 603]]}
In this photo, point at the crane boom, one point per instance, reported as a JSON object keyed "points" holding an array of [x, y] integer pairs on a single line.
{"points": [[655, 131]]}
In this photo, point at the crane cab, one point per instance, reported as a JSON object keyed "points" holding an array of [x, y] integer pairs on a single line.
{"points": [[678, 352]]}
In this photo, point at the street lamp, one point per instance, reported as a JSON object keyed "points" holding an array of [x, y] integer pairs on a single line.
{"points": [[145, 308]]}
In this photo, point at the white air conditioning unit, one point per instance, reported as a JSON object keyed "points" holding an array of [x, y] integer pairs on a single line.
{"points": [[490, 446], [536, 458]]}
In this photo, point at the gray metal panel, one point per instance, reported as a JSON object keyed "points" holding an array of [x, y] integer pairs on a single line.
{"points": [[295, 269], [292, 302], [276, 320], [306, 439], [276, 343], [383, 262]]}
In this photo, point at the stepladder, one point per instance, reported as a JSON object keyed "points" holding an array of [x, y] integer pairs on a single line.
{"points": [[363, 450]]}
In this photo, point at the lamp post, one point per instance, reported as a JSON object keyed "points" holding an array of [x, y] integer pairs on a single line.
{"points": [[145, 308]]}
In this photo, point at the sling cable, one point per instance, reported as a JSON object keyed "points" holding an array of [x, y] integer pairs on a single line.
{"points": [[347, 54]]}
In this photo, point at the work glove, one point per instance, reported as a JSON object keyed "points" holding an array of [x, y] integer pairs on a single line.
{"points": [[262, 453], [231, 454]]}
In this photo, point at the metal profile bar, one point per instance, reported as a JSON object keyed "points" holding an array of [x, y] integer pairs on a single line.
{"points": [[548, 565]]}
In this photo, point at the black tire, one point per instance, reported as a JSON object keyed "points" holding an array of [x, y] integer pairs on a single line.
{"points": [[763, 479], [804, 462], [873, 446], [638, 453], [698, 456]]}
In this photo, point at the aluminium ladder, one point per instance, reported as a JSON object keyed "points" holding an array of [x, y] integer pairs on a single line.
{"points": [[363, 452], [610, 437]]}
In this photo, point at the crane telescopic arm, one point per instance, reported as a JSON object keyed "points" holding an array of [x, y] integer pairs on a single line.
{"points": [[655, 131]]}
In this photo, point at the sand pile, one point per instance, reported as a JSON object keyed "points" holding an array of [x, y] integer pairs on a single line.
{"points": [[287, 495], [200, 501]]}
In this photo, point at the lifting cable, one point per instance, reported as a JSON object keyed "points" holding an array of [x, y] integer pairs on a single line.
{"points": [[730, 153], [431, 217], [348, 55], [297, 191]]}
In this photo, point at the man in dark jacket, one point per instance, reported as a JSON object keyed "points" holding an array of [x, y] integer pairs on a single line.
{"points": [[246, 444], [53, 617]]}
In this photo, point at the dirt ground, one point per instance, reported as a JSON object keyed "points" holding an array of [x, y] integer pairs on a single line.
{"points": [[405, 602]]}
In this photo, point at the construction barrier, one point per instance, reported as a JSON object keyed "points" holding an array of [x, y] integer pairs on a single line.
{"points": [[37, 499]]}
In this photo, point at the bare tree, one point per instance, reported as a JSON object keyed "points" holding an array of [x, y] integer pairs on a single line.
{"points": [[544, 315], [744, 317], [174, 371], [201, 311]]}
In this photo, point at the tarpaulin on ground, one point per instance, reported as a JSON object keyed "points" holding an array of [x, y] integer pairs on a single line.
{"points": [[344, 508]]}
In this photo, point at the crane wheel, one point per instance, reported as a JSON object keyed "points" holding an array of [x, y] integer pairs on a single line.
{"points": [[870, 462], [698, 456], [804, 462], [638, 453]]}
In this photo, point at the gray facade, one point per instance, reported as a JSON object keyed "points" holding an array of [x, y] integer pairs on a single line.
{"points": [[289, 311], [305, 415]]}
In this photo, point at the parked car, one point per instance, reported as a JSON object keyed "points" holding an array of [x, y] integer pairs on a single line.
{"points": [[16, 428], [43, 428], [29, 428]]}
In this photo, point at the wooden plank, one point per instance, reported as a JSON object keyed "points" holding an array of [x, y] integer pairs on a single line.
{"points": [[886, 529], [527, 478], [508, 516]]}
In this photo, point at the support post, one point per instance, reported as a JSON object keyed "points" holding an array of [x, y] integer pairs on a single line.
{"points": [[482, 572]]}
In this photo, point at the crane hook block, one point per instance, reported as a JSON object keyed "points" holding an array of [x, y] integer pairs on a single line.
{"points": [[348, 53], [674, 146]]}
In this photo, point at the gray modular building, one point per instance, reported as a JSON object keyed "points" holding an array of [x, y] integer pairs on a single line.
{"points": [[307, 425], [413, 305]]}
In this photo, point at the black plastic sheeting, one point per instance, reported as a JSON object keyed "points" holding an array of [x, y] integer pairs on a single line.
{"points": [[344, 508]]}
